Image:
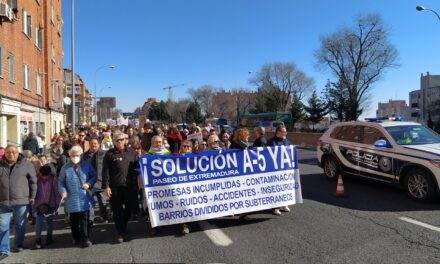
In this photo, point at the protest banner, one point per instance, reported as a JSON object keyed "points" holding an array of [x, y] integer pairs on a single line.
{"points": [[196, 136], [212, 184]]}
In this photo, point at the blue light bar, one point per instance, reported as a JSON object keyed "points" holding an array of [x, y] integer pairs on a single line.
{"points": [[374, 119]]}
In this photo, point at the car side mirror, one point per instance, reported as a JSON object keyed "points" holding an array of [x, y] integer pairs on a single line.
{"points": [[382, 143]]}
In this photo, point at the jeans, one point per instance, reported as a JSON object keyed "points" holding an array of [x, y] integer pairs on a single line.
{"points": [[102, 207], [39, 225], [19, 214]]}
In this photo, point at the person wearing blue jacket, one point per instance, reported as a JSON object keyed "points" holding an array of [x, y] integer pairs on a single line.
{"points": [[76, 177]]}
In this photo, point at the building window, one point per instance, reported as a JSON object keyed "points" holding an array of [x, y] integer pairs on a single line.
{"points": [[11, 68], [38, 84], [26, 76], [52, 14], [53, 52], [27, 24], [38, 38]]}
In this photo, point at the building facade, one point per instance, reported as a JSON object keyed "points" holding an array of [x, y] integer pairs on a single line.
{"points": [[425, 102], [31, 58], [106, 108], [394, 108], [83, 100]]}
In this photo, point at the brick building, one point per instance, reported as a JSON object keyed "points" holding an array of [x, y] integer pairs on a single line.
{"points": [[83, 99], [31, 57]]}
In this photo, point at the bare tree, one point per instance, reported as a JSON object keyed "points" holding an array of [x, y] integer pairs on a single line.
{"points": [[358, 57], [276, 84], [204, 95], [177, 109]]}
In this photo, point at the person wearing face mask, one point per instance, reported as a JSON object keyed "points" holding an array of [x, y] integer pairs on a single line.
{"points": [[119, 172], [76, 177]]}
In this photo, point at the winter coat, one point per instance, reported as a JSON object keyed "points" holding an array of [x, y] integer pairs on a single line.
{"points": [[174, 140], [31, 144], [19, 185], [47, 192], [260, 142], [97, 161], [78, 200], [276, 141]]}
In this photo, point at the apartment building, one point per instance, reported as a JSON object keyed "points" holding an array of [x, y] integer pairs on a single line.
{"points": [[425, 102], [31, 56], [83, 100], [394, 108]]}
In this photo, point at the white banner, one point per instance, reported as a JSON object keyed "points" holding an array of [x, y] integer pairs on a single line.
{"points": [[213, 184]]}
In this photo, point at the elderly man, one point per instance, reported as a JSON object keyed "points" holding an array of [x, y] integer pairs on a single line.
{"points": [[95, 157], [18, 187], [260, 138], [119, 176]]}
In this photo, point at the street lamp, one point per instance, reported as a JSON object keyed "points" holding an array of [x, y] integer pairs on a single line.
{"points": [[422, 8], [94, 103]]}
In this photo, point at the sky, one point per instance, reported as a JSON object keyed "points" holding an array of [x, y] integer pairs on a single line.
{"points": [[156, 44]]}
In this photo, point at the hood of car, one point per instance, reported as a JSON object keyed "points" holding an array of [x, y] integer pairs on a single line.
{"points": [[429, 148]]}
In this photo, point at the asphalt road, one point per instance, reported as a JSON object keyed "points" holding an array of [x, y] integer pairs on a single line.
{"points": [[376, 223]]}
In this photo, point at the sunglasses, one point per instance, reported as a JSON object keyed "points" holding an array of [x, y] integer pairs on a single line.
{"points": [[120, 139], [82, 135], [186, 146]]}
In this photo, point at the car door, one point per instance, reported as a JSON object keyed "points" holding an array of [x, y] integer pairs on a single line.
{"points": [[375, 162], [346, 147]]}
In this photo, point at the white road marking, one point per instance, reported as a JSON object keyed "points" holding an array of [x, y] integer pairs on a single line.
{"points": [[216, 235], [412, 221]]}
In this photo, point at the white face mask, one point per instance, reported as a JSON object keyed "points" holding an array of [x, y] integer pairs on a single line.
{"points": [[75, 160]]}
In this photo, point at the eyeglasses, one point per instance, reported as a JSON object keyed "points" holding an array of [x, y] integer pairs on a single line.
{"points": [[82, 135], [215, 141], [120, 139], [186, 146]]}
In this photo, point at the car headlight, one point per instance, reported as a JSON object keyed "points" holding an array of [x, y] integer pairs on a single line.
{"points": [[435, 163]]}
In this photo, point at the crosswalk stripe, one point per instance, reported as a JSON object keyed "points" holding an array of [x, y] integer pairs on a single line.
{"points": [[217, 236]]}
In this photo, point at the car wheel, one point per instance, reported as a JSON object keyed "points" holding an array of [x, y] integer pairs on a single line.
{"points": [[331, 168], [420, 186]]}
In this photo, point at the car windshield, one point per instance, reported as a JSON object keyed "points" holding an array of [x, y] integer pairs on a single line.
{"points": [[413, 135]]}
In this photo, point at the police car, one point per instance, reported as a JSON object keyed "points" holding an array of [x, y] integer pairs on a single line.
{"points": [[406, 153]]}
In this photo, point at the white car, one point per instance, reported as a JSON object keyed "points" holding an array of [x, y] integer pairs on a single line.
{"points": [[406, 153]]}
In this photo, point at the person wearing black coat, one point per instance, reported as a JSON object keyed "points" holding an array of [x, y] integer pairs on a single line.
{"points": [[31, 143], [279, 139], [260, 140]]}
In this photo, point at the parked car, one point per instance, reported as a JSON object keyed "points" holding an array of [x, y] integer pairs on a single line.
{"points": [[406, 153]]}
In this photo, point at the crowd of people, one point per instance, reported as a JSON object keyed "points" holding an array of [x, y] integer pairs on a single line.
{"points": [[85, 166]]}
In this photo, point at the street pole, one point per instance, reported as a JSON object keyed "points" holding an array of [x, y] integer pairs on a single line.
{"points": [[94, 100], [73, 69], [422, 8]]}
